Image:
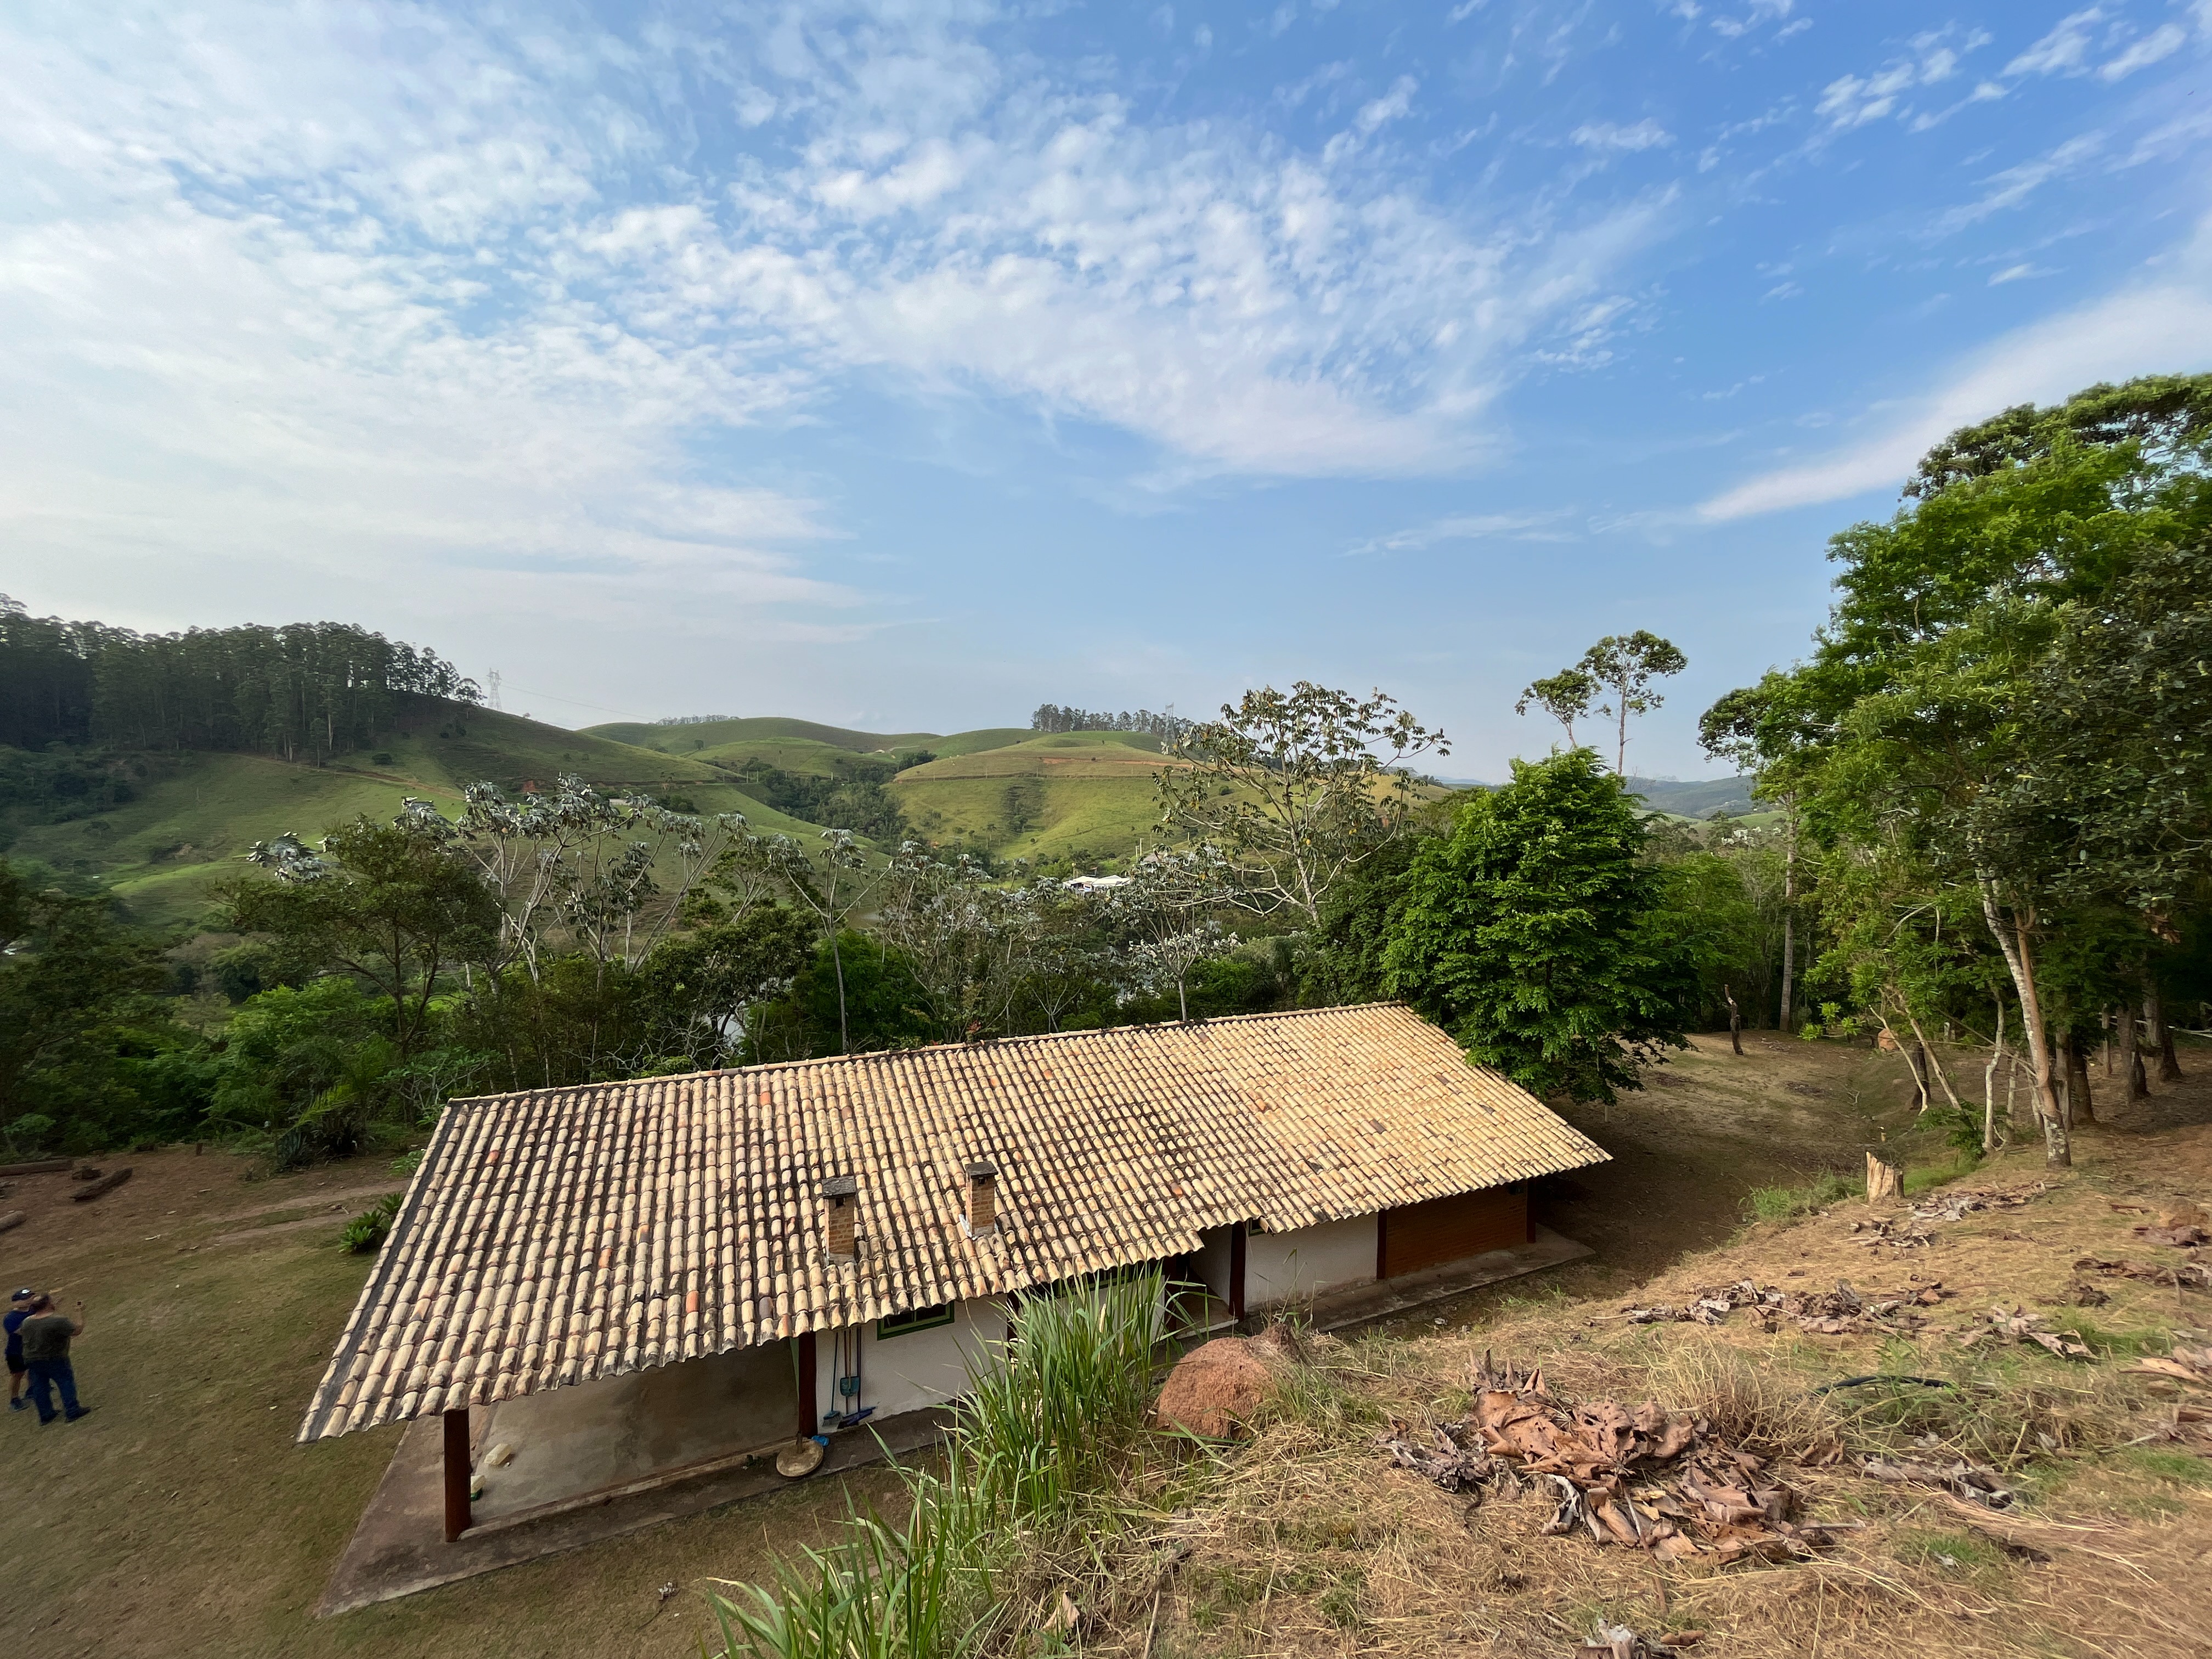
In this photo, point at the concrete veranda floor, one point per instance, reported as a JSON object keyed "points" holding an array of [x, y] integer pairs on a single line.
{"points": [[399, 1546], [1359, 1305], [602, 1459]]}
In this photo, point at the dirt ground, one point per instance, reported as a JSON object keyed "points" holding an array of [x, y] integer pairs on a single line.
{"points": [[1313, 1543], [181, 1518]]}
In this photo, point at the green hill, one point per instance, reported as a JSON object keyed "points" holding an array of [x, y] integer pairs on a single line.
{"points": [[770, 736], [1086, 795], [192, 814], [692, 736], [1698, 799]]}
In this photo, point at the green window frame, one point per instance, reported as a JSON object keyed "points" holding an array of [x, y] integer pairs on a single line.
{"points": [[914, 1319]]}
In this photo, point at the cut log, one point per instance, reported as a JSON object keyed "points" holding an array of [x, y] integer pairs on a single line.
{"points": [[106, 1183], [40, 1166], [1883, 1180], [10, 1221]]}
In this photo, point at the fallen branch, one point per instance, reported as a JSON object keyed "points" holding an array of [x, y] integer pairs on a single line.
{"points": [[1972, 1481], [40, 1166], [1882, 1377], [106, 1183]]}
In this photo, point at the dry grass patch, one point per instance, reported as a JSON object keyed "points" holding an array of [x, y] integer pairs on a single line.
{"points": [[1309, 1540]]}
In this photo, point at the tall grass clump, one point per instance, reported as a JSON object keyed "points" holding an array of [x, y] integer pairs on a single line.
{"points": [[1045, 1427], [1787, 1203]]}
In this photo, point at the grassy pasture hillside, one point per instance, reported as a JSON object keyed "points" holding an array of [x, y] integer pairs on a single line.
{"points": [[195, 813], [771, 736], [1021, 793], [708, 734], [1068, 794], [789, 754]]}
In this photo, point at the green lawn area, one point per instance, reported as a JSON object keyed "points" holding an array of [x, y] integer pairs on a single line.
{"points": [[180, 1519]]}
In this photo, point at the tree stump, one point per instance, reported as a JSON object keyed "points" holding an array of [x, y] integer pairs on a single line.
{"points": [[1883, 1180]]}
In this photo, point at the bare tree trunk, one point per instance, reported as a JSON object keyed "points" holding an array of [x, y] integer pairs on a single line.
{"points": [[1789, 905], [1931, 1066], [844, 1034], [2161, 1036], [1919, 1076], [1989, 1087], [2016, 942], [2080, 1106], [2132, 1085]]}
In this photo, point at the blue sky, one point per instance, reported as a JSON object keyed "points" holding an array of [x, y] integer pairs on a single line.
{"points": [[905, 366]]}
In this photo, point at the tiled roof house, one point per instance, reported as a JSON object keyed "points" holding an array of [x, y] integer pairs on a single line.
{"points": [[559, 1236]]}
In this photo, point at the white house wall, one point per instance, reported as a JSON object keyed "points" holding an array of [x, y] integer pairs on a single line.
{"points": [[922, 1367], [1290, 1266]]}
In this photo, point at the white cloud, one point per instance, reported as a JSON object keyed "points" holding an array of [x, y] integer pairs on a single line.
{"points": [[1646, 134], [2019, 273], [391, 289], [2161, 42], [2015, 184], [1758, 12], [2161, 327], [1389, 107], [2064, 50], [1852, 100], [1472, 527]]}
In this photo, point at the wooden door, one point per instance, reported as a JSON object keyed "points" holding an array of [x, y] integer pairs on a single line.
{"points": [[1421, 1235]]}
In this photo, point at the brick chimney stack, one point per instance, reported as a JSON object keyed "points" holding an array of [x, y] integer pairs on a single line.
{"points": [[843, 1193], [982, 1200]]}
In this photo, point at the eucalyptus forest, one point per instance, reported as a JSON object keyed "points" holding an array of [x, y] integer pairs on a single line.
{"points": [[1983, 836]]}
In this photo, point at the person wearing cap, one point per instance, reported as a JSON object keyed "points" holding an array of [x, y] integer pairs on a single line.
{"points": [[19, 1310], [46, 1336]]}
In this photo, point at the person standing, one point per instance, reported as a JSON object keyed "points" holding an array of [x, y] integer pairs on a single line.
{"points": [[46, 1336], [19, 1310]]}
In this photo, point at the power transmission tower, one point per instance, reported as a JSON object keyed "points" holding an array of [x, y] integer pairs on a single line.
{"points": [[494, 677]]}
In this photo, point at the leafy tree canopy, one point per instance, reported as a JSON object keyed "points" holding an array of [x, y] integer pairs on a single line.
{"points": [[1531, 933]]}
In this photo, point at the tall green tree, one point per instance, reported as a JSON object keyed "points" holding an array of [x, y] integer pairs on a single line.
{"points": [[1944, 717], [1566, 696], [1629, 666], [79, 1005], [388, 903], [1534, 933], [1293, 790]]}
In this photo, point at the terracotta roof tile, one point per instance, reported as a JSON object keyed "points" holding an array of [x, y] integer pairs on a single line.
{"points": [[562, 1235]]}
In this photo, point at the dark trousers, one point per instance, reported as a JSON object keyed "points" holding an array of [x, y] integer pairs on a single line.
{"points": [[49, 1374]]}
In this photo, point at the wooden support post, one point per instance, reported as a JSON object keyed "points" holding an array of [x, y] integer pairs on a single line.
{"points": [[1236, 1270], [809, 1388], [456, 1474]]}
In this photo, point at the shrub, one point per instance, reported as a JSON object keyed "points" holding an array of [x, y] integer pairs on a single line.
{"points": [[1041, 1432], [367, 1231]]}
